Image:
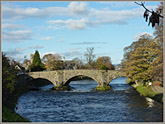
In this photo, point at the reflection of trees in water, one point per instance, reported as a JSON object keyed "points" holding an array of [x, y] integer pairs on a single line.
{"points": [[143, 108]]}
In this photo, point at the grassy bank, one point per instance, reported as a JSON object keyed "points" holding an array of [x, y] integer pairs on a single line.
{"points": [[9, 115], [148, 92]]}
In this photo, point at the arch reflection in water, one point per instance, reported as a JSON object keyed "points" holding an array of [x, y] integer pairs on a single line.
{"points": [[85, 85]]}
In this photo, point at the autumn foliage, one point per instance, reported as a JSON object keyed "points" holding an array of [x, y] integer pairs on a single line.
{"points": [[143, 59]]}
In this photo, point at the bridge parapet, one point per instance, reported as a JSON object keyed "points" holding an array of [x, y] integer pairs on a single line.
{"points": [[63, 77]]}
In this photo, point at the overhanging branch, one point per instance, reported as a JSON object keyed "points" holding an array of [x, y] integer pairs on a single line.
{"points": [[142, 4]]}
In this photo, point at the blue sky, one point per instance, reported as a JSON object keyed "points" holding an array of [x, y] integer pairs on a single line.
{"points": [[68, 28]]}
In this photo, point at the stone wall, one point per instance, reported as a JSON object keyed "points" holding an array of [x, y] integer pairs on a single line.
{"points": [[63, 77]]}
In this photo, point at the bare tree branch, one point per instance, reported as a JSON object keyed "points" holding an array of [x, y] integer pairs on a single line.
{"points": [[142, 4]]}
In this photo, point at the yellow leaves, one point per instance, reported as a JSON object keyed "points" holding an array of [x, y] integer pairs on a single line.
{"points": [[104, 63], [141, 58]]}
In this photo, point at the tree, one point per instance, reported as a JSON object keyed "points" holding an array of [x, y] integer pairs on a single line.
{"points": [[157, 65], [143, 59], [8, 79], [48, 60], [36, 65], [58, 63], [137, 59], [78, 63], [52, 61], [104, 63], [90, 57]]}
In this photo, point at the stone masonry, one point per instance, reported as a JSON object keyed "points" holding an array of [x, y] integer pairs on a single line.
{"points": [[63, 77]]}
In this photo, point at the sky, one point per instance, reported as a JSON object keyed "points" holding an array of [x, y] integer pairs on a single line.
{"points": [[69, 28]]}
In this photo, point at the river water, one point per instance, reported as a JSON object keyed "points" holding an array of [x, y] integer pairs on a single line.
{"points": [[83, 104]]}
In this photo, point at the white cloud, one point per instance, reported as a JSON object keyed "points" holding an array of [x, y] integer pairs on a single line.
{"points": [[17, 36], [36, 47], [9, 12], [137, 36], [97, 18], [53, 27], [72, 53], [53, 52], [119, 4], [8, 26], [77, 8], [77, 15], [74, 8], [87, 43], [70, 24], [47, 38]]}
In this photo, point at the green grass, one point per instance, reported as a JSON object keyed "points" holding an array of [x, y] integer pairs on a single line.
{"points": [[10, 116], [103, 88], [148, 92]]}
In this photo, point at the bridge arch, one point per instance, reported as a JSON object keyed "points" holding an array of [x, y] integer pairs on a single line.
{"points": [[62, 77], [35, 83], [67, 81], [109, 81]]}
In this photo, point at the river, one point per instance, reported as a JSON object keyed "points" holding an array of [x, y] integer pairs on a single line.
{"points": [[83, 104]]}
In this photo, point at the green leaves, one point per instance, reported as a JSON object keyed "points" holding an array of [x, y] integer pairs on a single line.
{"points": [[36, 65], [8, 75]]}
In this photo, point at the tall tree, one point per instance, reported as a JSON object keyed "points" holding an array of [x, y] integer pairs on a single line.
{"points": [[137, 59], [143, 59], [89, 55], [36, 65], [8, 79]]}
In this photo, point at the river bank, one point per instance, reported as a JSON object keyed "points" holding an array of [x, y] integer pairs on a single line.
{"points": [[23, 85], [148, 91], [8, 106]]}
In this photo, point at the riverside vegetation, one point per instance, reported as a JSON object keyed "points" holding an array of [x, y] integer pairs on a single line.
{"points": [[143, 62], [13, 86], [11, 90]]}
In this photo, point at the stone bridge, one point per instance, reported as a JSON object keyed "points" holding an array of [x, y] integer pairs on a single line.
{"points": [[63, 77]]}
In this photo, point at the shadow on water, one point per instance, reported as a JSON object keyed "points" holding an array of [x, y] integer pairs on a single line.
{"points": [[120, 84], [89, 85]]}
